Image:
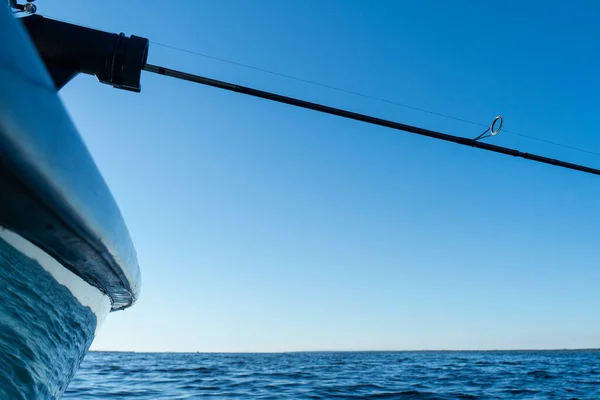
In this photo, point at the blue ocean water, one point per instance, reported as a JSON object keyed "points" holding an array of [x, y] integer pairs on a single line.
{"points": [[44, 330], [368, 375]]}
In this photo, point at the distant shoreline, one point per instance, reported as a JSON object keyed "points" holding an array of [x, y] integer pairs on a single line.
{"points": [[353, 351]]}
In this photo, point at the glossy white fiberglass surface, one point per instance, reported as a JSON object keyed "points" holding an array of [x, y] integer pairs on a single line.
{"points": [[40, 142]]}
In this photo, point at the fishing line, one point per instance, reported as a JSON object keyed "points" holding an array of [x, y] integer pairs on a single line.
{"points": [[368, 119], [295, 78], [366, 96]]}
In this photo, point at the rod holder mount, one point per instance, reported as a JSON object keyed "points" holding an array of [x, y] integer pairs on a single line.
{"points": [[68, 49]]}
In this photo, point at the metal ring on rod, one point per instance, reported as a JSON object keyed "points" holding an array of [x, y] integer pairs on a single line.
{"points": [[495, 132], [491, 130]]}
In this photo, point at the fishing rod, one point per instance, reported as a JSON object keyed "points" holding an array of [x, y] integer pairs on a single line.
{"points": [[115, 59], [494, 128]]}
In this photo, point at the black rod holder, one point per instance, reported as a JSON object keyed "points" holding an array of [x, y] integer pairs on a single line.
{"points": [[68, 50]]}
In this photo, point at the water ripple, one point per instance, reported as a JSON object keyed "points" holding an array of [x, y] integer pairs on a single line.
{"points": [[370, 375]]}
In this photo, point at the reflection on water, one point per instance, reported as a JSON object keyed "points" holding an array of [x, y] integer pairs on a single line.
{"points": [[44, 330]]}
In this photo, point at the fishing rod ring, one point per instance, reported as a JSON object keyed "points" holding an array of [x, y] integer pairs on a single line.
{"points": [[495, 131], [492, 130]]}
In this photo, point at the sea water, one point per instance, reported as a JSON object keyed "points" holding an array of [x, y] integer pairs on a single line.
{"points": [[352, 375], [44, 329]]}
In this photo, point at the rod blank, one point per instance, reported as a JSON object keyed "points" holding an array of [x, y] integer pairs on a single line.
{"points": [[364, 118]]}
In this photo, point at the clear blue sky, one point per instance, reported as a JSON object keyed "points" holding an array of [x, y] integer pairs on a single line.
{"points": [[261, 227]]}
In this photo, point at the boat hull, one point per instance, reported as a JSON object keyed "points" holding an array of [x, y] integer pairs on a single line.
{"points": [[66, 257]]}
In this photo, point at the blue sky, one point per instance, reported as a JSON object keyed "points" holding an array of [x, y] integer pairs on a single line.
{"points": [[261, 227]]}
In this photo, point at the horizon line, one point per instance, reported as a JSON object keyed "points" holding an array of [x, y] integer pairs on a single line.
{"points": [[351, 351]]}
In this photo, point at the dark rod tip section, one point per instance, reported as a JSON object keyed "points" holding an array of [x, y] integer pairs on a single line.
{"points": [[68, 49]]}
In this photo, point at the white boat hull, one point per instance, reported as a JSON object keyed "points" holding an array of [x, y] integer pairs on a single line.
{"points": [[66, 258]]}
